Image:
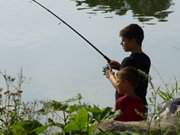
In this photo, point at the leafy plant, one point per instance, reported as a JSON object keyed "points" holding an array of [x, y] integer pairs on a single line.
{"points": [[75, 118], [70, 117]]}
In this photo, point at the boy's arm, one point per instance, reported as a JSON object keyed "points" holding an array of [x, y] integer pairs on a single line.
{"points": [[115, 64]]}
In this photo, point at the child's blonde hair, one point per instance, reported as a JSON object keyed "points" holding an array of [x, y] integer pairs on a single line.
{"points": [[133, 75]]}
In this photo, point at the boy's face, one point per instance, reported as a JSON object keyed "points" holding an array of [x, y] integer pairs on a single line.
{"points": [[127, 44]]}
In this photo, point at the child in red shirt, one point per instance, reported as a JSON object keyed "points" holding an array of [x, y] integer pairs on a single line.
{"points": [[125, 81]]}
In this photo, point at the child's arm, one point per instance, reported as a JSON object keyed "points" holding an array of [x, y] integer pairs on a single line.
{"points": [[110, 75]]}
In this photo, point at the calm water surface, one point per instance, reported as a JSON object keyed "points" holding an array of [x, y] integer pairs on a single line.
{"points": [[58, 64]]}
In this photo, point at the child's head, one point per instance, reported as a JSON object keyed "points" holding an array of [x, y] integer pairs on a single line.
{"points": [[133, 31], [127, 77]]}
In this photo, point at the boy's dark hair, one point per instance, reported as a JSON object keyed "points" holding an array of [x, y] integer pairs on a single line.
{"points": [[133, 31], [132, 75]]}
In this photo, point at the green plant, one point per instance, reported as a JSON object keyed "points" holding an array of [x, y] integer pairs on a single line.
{"points": [[73, 117], [70, 117], [16, 116]]}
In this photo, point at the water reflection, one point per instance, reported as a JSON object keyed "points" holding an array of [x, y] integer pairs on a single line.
{"points": [[143, 10]]}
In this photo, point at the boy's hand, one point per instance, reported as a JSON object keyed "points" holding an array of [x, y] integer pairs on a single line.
{"points": [[115, 64]]}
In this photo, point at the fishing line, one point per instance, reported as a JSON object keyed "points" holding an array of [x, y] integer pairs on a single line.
{"points": [[63, 21]]}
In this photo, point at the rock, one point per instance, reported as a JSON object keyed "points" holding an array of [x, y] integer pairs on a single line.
{"points": [[143, 127], [168, 122]]}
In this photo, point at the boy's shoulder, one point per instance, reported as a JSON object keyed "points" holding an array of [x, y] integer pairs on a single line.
{"points": [[139, 55], [139, 60]]}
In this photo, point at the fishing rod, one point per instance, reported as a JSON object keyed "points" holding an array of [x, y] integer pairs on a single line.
{"points": [[48, 10]]}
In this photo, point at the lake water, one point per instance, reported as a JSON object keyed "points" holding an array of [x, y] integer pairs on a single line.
{"points": [[58, 64]]}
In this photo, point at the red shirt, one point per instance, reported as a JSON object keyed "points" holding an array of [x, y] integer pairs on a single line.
{"points": [[131, 108]]}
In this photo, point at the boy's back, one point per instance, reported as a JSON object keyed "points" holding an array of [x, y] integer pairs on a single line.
{"points": [[137, 60]]}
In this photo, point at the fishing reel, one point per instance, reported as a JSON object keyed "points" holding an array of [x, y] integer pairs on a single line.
{"points": [[105, 69]]}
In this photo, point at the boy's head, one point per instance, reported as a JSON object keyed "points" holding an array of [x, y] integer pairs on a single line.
{"points": [[132, 32], [128, 77]]}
